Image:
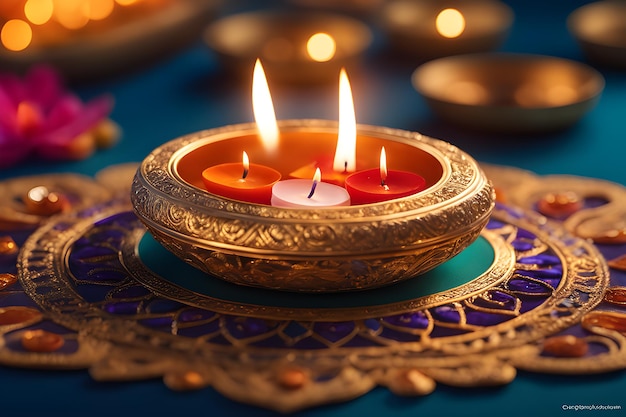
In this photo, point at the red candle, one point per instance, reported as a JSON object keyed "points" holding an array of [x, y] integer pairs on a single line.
{"points": [[379, 184], [244, 181]]}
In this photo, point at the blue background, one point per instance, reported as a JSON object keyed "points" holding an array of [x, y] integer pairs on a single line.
{"points": [[189, 92]]}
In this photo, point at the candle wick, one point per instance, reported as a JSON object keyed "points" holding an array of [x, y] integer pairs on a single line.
{"points": [[345, 167], [245, 173], [312, 189], [384, 185]]}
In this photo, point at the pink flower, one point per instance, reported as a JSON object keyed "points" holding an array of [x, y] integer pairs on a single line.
{"points": [[38, 117]]}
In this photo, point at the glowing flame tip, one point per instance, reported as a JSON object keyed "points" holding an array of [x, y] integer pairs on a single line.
{"points": [[246, 164], [345, 154], [317, 177], [264, 109]]}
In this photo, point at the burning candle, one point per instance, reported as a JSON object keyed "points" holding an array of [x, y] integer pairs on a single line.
{"points": [[306, 193], [243, 181], [446, 27], [379, 184], [250, 182], [344, 162]]}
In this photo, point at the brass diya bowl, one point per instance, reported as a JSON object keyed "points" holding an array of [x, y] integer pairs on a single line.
{"points": [[509, 93], [412, 29], [281, 40], [600, 29], [128, 38], [312, 250]]}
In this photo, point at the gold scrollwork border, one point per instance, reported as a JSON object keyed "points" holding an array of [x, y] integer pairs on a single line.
{"points": [[260, 376]]}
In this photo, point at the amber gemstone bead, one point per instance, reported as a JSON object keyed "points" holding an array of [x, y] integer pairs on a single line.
{"points": [[607, 319], [559, 205], [17, 315], [42, 341], [7, 245], [7, 280], [184, 381], [411, 382], [292, 378], [500, 195], [43, 202], [616, 295], [567, 346], [612, 237]]}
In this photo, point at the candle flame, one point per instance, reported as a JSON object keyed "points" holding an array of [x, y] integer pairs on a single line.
{"points": [[264, 109], [321, 47], [383, 169], [317, 177], [345, 154], [246, 165], [450, 23]]}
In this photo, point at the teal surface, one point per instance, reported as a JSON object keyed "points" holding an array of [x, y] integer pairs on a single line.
{"points": [[463, 268]]}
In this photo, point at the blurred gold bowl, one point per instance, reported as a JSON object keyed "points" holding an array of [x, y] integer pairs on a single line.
{"points": [[509, 93], [600, 29], [412, 30], [280, 39], [312, 250], [129, 38]]}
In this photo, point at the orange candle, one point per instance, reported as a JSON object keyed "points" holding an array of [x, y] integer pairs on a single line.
{"points": [[325, 164], [243, 181]]}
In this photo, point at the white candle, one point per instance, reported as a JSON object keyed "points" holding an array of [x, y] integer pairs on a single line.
{"points": [[306, 193]]}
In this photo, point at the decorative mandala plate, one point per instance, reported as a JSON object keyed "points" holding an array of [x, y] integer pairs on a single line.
{"points": [[93, 290]]}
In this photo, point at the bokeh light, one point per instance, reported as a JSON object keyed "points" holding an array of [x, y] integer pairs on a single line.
{"points": [[38, 12], [98, 9], [321, 47], [16, 35], [450, 23]]}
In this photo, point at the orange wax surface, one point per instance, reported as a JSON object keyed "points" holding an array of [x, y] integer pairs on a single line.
{"points": [[296, 155], [365, 187], [226, 180], [325, 165]]}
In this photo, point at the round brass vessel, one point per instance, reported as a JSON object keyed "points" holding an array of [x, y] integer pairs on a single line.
{"points": [[280, 39], [411, 27], [509, 93], [312, 250], [600, 29]]}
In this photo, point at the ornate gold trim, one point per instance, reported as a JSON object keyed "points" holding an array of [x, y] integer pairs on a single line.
{"points": [[479, 355], [500, 269], [408, 359]]}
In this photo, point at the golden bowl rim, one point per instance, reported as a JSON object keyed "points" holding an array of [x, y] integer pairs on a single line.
{"points": [[284, 126], [367, 212]]}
